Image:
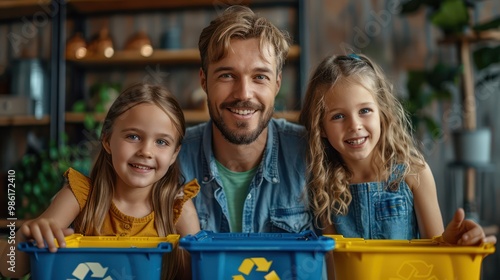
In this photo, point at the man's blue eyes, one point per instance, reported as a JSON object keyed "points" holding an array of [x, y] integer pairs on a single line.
{"points": [[258, 77]]}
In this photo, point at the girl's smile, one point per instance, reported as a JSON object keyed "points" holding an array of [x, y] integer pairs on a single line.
{"points": [[356, 141]]}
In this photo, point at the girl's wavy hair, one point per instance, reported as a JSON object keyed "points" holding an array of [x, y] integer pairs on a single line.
{"points": [[240, 22], [103, 175], [328, 176]]}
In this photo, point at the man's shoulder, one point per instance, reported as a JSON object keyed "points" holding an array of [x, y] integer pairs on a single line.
{"points": [[193, 140], [288, 129], [194, 132]]}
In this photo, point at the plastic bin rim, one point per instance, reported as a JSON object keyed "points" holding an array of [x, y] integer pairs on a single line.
{"points": [[398, 246], [209, 241], [163, 247], [81, 243]]}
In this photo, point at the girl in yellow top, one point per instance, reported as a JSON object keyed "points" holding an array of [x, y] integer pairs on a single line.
{"points": [[134, 187]]}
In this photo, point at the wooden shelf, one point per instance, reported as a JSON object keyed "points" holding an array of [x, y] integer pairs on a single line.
{"points": [[191, 116], [196, 116], [71, 117], [473, 37], [23, 120], [292, 116], [134, 58], [100, 6], [16, 9]]}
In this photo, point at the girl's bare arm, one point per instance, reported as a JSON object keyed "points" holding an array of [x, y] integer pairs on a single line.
{"points": [[423, 186], [188, 222], [53, 223]]}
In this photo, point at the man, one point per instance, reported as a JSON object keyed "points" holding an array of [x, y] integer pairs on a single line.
{"points": [[251, 167]]}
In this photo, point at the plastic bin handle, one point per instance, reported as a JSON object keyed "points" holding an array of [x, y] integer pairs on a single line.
{"points": [[165, 246]]}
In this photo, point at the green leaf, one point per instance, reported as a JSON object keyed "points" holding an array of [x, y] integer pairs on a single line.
{"points": [[36, 190], [99, 108], [33, 208], [79, 106], [486, 56], [27, 188], [442, 74], [492, 24], [53, 153], [104, 94], [89, 122], [443, 94], [432, 126], [452, 16], [416, 79]]}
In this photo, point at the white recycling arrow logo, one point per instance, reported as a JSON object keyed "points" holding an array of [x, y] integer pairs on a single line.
{"points": [[97, 270]]}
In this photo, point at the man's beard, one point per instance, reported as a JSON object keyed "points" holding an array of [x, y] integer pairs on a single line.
{"points": [[233, 136]]}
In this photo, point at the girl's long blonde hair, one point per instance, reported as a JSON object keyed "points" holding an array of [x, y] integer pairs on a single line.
{"points": [[103, 175], [328, 176]]}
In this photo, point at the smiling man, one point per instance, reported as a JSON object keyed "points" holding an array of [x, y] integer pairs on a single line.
{"points": [[251, 166]]}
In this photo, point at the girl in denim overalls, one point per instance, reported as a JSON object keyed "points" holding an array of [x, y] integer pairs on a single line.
{"points": [[366, 176]]}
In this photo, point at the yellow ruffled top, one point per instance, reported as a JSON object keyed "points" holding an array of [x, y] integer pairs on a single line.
{"points": [[116, 222]]}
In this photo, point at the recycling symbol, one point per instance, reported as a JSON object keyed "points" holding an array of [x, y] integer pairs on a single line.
{"points": [[417, 269], [96, 269], [261, 265]]}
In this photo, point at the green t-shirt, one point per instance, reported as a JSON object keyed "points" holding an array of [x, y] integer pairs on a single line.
{"points": [[235, 185]]}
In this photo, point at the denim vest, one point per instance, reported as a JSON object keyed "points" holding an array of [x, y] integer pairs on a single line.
{"points": [[275, 200], [377, 212]]}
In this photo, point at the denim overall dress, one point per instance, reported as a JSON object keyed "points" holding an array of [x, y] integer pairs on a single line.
{"points": [[379, 212]]}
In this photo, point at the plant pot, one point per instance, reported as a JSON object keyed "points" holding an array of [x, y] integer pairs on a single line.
{"points": [[472, 146]]}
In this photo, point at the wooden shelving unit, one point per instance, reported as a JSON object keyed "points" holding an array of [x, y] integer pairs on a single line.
{"points": [[473, 37], [191, 116], [464, 44], [184, 56], [86, 9], [23, 120], [16, 9], [113, 6]]}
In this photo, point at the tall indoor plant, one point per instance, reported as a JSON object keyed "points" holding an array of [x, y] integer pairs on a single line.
{"points": [[452, 18]]}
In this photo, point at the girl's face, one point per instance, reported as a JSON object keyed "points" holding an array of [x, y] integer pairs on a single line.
{"points": [[143, 145], [351, 122]]}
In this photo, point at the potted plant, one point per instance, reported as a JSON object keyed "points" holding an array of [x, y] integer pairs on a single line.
{"points": [[451, 16], [424, 88], [472, 145]]}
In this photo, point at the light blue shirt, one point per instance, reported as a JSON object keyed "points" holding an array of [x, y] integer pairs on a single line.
{"points": [[275, 200]]}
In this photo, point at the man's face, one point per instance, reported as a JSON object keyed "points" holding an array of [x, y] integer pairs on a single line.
{"points": [[241, 89]]}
